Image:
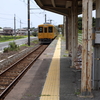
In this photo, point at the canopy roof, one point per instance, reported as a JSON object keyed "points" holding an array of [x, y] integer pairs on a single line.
{"points": [[60, 6]]}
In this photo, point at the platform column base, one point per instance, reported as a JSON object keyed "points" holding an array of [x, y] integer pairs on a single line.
{"points": [[86, 95], [72, 66]]}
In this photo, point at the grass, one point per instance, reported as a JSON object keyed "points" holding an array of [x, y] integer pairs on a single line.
{"points": [[77, 92], [10, 38], [45, 95], [12, 47], [24, 45], [80, 31], [80, 38], [35, 41]]}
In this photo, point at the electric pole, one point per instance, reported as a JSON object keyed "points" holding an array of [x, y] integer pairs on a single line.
{"points": [[45, 18], [15, 25], [28, 22], [31, 24], [20, 24], [50, 21]]}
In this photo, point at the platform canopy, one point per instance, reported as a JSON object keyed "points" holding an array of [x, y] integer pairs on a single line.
{"points": [[60, 6]]}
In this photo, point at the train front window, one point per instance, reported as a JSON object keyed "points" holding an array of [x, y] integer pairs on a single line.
{"points": [[40, 29], [45, 30], [50, 29]]}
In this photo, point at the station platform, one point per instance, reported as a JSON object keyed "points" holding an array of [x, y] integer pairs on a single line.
{"points": [[50, 77]]}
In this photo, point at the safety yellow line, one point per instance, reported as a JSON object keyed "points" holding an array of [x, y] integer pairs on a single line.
{"points": [[52, 84]]}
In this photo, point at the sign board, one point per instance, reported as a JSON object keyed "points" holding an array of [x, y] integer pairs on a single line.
{"points": [[97, 37]]}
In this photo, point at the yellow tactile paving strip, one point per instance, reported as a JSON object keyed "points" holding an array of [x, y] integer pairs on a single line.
{"points": [[52, 84]]}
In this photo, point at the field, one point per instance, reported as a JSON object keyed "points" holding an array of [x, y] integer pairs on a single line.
{"points": [[80, 38], [10, 38]]}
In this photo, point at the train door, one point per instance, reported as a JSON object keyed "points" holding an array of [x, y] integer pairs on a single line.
{"points": [[40, 29], [45, 32], [50, 31]]}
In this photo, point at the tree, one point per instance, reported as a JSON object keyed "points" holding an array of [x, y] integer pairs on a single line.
{"points": [[80, 22], [94, 21]]}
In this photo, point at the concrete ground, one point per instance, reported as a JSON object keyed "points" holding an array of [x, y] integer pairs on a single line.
{"points": [[70, 84], [31, 85]]}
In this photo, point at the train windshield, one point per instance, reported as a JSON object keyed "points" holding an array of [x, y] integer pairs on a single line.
{"points": [[50, 29], [45, 30], [40, 29]]}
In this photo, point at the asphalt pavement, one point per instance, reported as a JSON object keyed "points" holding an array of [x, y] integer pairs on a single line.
{"points": [[18, 42]]}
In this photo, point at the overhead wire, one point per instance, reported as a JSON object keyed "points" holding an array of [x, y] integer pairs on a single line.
{"points": [[5, 18], [23, 21], [6, 14], [23, 2]]}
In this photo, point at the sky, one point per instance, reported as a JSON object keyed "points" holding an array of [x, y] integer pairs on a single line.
{"points": [[19, 7], [9, 8]]}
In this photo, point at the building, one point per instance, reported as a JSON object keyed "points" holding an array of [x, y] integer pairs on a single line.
{"points": [[8, 31]]}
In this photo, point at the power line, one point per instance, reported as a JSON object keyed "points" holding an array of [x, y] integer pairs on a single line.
{"points": [[23, 2], [6, 14], [34, 4], [6, 18], [36, 14], [21, 20]]}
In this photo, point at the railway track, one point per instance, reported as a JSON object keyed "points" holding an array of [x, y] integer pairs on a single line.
{"points": [[10, 76]]}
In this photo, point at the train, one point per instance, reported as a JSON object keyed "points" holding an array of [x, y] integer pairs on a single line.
{"points": [[46, 33]]}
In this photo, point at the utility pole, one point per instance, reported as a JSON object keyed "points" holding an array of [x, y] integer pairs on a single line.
{"points": [[28, 22], [15, 25], [31, 24], [51, 21], [20, 24], [45, 18]]}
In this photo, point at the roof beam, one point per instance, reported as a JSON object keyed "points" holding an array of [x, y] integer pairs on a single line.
{"points": [[68, 4], [50, 7], [53, 3], [57, 10], [39, 3]]}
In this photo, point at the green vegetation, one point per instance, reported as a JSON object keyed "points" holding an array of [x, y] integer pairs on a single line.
{"points": [[77, 92], [35, 41], [64, 55], [10, 38], [24, 45], [80, 22], [80, 28], [34, 33], [12, 47], [79, 38], [6, 50], [94, 21], [45, 95], [80, 31]]}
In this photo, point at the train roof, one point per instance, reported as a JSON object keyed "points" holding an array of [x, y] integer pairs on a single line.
{"points": [[45, 25]]}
